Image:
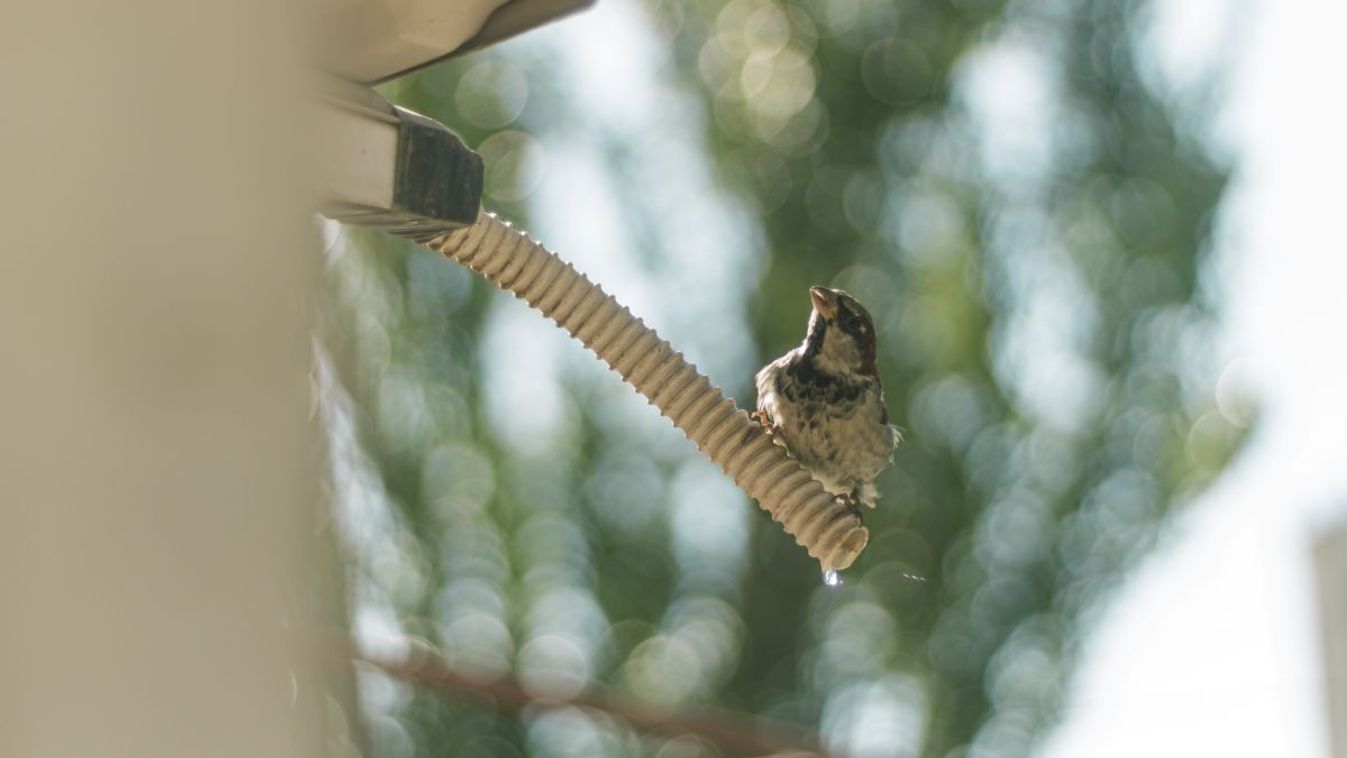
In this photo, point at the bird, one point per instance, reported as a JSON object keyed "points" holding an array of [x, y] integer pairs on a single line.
{"points": [[824, 403]]}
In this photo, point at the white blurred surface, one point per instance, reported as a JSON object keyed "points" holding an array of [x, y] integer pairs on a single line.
{"points": [[1212, 646]]}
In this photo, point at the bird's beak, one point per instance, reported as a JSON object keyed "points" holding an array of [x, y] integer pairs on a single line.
{"points": [[825, 302]]}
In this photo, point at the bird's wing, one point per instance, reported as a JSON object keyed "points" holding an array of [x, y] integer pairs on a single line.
{"points": [[884, 419], [762, 382], [766, 381]]}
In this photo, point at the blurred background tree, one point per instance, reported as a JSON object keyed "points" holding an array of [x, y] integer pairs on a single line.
{"points": [[1024, 216]]}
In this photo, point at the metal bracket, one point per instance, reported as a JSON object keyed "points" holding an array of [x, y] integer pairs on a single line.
{"points": [[394, 170]]}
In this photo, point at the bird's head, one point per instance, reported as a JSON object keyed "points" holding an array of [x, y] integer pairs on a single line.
{"points": [[841, 334]]}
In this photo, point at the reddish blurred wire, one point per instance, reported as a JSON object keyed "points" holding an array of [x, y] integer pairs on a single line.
{"points": [[733, 732]]}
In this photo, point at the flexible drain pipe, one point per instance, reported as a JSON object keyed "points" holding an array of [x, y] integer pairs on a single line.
{"points": [[830, 531]]}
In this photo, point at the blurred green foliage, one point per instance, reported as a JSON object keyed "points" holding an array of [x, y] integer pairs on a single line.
{"points": [[1026, 219]]}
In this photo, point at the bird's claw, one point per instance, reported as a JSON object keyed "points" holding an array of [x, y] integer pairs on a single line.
{"points": [[849, 502], [768, 425]]}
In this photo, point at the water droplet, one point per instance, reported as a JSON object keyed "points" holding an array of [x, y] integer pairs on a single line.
{"points": [[832, 578]]}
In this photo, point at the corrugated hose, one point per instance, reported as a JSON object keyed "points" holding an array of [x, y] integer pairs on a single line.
{"points": [[829, 530]]}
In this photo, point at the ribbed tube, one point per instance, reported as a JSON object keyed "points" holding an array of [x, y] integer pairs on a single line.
{"points": [[831, 532]]}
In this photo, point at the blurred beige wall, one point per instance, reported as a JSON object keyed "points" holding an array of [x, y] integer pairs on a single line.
{"points": [[158, 467]]}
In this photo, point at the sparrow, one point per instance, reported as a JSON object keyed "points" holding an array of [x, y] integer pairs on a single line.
{"points": [[824, 403]]}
